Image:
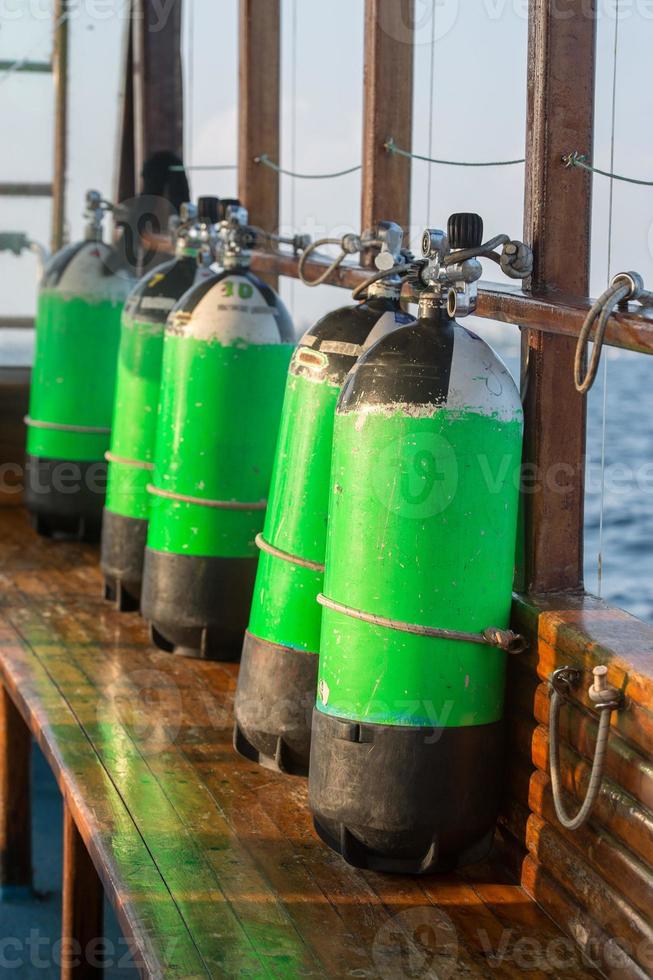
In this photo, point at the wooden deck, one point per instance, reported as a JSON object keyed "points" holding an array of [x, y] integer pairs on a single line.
{"points": [[210, 862]]}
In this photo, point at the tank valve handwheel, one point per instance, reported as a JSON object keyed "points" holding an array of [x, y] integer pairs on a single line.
{"points": [[465, 230]]}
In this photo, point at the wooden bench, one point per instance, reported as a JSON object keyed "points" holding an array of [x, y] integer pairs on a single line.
{"points": [[210, 862]]}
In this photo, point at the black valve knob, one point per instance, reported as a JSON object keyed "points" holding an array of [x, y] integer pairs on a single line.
{"points": [[465, 230], [228, 202], [208, 209]]}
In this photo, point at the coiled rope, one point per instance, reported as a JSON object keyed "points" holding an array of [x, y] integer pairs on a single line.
{"points": [[624, 286]]}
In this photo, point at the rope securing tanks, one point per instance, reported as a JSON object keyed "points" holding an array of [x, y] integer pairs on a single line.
{"points": [[82, 292], [406, 747], [226, 350]]}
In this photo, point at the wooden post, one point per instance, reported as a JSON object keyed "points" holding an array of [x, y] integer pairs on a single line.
{"points": [[125, 168], [15, 801], [387, 111], [259, 113], [60, 72], [157, 79], [561, 63], [82, 913]]}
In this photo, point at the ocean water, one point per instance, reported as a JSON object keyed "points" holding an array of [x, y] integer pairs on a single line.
{"points": [[622, 491], [619, 494]]}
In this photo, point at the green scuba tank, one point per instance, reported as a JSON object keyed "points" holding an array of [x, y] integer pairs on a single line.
{"points": [[124, 525], [406, 752], [80, 302], [226, 352], [278, 672]]}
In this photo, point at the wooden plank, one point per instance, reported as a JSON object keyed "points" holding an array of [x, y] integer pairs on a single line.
{"points": [[529, 938], [584, 631], [578, 728], [185, 835], [16, 188], [558, 314], [562, 315], [561, 59], [387, 112], [477, 927], [601, 949], [615, 810], [148, 915], [601, 851], [17, 322], [15, 801], [183, 861], [194, 816], [60, 70], [588, 631], [473, 922], [82, 908], [259, 81], [590, 890], [31, 67], [481, 930]]}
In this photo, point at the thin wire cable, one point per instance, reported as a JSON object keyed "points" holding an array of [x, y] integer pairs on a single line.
{"points": [[266, 162], [392, 147], [429, 172], [604, 422], [576, 159], [17, 65]]}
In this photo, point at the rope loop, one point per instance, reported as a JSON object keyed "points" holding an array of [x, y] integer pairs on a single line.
{"points": [[624, 286], [606, 700]]}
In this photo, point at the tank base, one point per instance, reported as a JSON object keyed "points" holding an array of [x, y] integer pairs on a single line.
{"points": [[123, 548], [197, 606], [65, 498], [405, 800], [274, 703]]}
